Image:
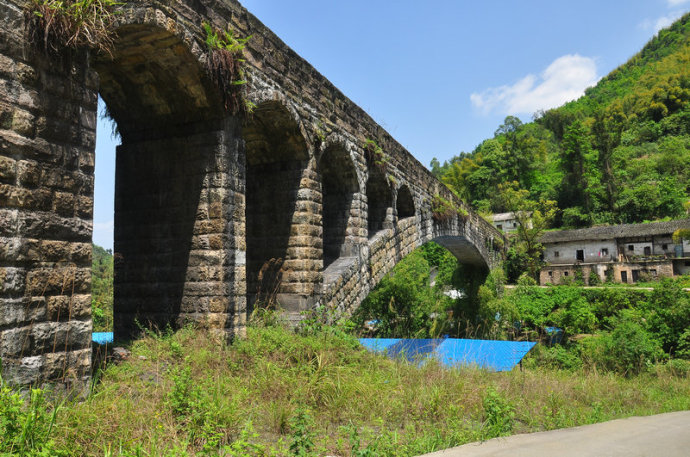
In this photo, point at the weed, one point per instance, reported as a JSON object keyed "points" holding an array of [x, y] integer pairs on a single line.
{"points": [[356, 449], [225, 64], [375, 155], [444, 210], [244, 445], [244, 399], [73, 24], [302, 425], [499, 414], [26, 425]]}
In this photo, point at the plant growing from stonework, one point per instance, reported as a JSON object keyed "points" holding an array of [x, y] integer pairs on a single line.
{"points": [[54, 25], [320, 131], [375, 155], [443, 209], [225, 65]]}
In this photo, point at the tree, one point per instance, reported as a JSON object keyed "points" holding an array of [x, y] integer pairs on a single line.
{"points": [[576, 148], [607, 131], [533, 218]]}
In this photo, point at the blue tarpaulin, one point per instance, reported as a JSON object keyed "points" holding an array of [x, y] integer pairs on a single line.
{"points": [[489, 354], [102, 337]]}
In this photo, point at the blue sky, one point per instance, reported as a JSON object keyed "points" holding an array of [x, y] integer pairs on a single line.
{"points": [[441, 75]]}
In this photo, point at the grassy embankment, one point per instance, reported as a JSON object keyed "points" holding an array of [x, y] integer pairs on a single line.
{"points": [[319, 393]]}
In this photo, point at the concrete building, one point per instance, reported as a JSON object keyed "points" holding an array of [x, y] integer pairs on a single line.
{"points": [[507, 222], [623, 253]]}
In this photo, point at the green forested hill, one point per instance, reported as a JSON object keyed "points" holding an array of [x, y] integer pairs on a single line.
{"points": [[619, 154]]}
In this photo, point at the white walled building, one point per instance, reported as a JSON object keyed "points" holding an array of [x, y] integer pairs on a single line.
{"points": [[626, 252], [507, 222]]}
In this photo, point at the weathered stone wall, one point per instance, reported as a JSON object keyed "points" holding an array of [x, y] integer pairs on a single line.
{"points": [[47, 136], [204, 200]]}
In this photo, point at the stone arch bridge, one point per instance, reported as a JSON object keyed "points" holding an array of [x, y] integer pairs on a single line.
{"points": [[213, 211]]}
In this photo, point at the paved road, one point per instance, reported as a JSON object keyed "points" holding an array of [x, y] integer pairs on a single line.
{"points": [[513, 286], [663, 435]]}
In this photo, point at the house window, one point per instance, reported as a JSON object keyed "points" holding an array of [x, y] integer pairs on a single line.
{"points": [[647, 250], [556, 254], [631, 247], [652, 272], [604, 251], [514, 224], [624, 276], [550, 274], [499, 226], [580, 255], [664, 247], [566, 273]]}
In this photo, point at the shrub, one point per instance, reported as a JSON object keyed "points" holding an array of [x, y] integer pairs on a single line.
{"points": [[668, 313], [627, 349], [683, 350], [557, 356], [594, 279]]}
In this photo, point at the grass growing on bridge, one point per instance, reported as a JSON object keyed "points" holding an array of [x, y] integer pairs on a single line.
{"points": [[319, 393]]}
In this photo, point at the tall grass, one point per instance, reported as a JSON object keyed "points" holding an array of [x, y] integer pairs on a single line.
{"points": [[281, 393]]}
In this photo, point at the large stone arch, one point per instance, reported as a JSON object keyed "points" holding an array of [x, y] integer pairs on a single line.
{"points": [[174, 247], [171, 195]]}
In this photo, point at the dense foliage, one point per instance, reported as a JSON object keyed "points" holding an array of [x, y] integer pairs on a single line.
{"points": [[619, 154], [626, 330], [616, 329], [102, 289], [415, 300]]}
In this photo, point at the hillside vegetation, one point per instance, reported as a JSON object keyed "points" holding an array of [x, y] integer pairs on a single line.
{"points": [[619, 154]]}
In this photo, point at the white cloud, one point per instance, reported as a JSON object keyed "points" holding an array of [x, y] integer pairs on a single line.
{"points": [[564, 80], [662, 22], [103, 234]]}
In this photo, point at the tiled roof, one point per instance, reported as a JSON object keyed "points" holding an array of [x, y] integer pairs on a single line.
{"points": [[615, 231]]}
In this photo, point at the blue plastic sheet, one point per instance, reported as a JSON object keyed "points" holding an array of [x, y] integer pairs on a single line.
{"points": [[453, 352], [102, 337]]}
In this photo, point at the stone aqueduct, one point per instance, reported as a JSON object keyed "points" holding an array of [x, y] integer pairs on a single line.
{"points": [[204, 200]]}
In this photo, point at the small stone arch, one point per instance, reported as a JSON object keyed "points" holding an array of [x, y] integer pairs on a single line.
{"points": [[379, 201], [404, 204], [339, 183]]}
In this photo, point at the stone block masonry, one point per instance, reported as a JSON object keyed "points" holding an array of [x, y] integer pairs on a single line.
{"points": [[214, 213]]}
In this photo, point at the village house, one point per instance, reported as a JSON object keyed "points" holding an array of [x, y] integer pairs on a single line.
{"points": [[621, 253], [506, 222]]}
